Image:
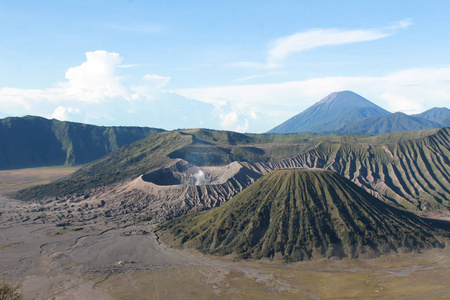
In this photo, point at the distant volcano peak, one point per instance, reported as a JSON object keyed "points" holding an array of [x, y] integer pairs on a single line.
{"points": [[346, 98], [331, 113]]}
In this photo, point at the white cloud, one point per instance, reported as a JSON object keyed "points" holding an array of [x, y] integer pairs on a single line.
{"points": [[242, 128], [99, 91], [63, 113], [301, 41], [229, 120], [96, 79], [150, 87], [283, 47], [402, 24], [409, 91], [401, 103], [156, 80]]}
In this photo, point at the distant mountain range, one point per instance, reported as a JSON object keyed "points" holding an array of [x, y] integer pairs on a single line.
{"points": [[396, 122], [439, 115], [348, 112], [34, 141]]}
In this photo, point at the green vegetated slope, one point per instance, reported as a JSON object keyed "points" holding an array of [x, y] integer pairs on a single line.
{"points": [[131, 160], [298, 214], [201, 147], [34, 141], [215, 148], [396, 122], [411, 169], [211, 147]]}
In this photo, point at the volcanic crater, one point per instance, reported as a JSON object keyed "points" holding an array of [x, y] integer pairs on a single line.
{"points": [[171, 191], [184, 173]]}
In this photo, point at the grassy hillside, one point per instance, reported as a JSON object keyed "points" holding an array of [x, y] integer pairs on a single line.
{"points": [[299, 214], [396, 122], [412, 169], [34, 141], [198, 146], [131, 160]]}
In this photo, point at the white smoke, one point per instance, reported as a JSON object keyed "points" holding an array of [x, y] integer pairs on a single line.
{"points": [[199, 178]]}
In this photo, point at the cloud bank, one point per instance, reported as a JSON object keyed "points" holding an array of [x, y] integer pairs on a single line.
{"points": [[264, 106], [100, 91], [280, 49]]}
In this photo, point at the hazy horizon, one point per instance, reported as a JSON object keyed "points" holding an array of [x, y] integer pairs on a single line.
{"points": [[238, 66]]}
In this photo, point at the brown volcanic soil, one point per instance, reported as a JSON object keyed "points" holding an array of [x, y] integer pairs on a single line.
{"points": [[70, 248], [169, 192], [58, 262], [106, 261], [13, 180], [184, 173], [143, 200], [174, 191]]}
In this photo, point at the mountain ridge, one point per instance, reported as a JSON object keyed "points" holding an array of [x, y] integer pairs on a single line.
{"points": [[440, 115], [324, 114], [32, 141], [409, 170], [395, 122], [348, 112], [413, 173]]}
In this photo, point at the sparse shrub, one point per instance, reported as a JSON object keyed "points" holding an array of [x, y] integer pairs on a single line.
{"points": [[9, 292]]}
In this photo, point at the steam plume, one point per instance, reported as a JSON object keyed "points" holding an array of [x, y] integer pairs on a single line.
{"points": [[199, 178]]}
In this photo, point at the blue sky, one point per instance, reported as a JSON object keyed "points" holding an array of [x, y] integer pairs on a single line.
{"points": [[237, 65]]}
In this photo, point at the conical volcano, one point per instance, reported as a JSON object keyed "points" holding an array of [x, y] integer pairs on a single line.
{"points": [[299, 214], [331, 113]]}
